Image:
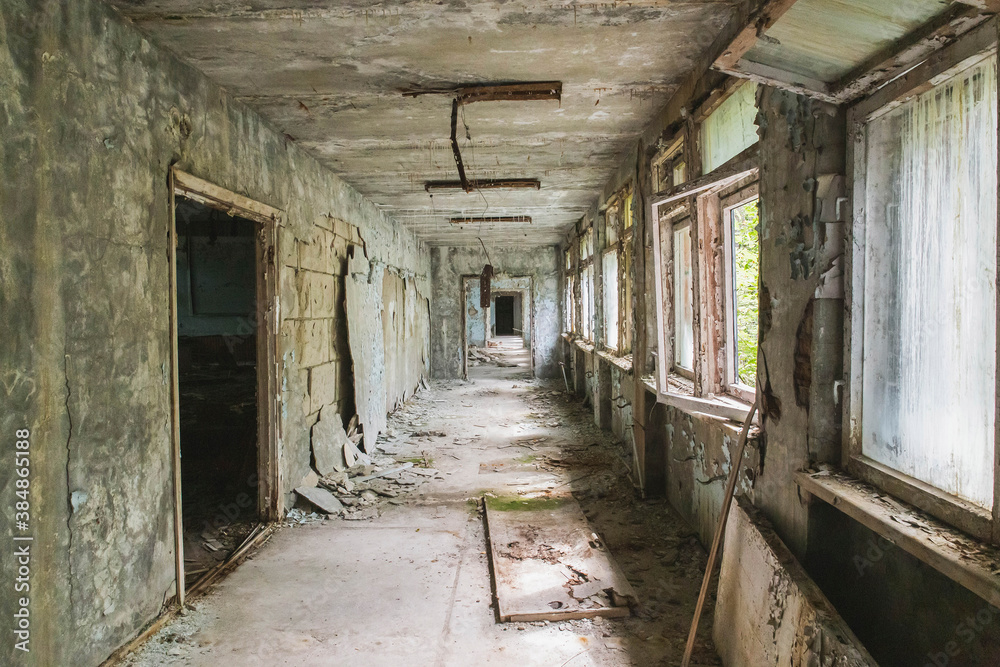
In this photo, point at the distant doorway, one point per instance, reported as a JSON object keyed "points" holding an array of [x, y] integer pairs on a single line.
{"points": [[505, 308]]}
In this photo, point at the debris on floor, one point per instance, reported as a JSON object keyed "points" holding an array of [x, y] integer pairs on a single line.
{"points": [[480, 355]]}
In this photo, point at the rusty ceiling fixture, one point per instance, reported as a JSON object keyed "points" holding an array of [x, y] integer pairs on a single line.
{"points": [[505, 92], [499, 218], [485, 184]]}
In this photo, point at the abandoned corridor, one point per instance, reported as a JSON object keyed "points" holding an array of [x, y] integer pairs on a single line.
{"points": [[412, 586]]}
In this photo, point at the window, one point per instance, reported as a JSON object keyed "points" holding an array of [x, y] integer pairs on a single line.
{"points": [[670, 170], [609, 268], [587, 284], [683, 300], [730, 129], [569, 310], [616, 263], [707, 263], [924, 312], [742, 283]]}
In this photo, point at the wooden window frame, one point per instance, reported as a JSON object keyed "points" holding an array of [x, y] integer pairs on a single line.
{"points": [[665, 164], [703, 198], [744, 195], [678, 219], [979, 522]]}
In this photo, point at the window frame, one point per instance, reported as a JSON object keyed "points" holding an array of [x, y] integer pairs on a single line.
{"points": [[588, 299], [980, 522], [700, 195], [617, 218], [680, 219], [742, 196], [665, 166]]}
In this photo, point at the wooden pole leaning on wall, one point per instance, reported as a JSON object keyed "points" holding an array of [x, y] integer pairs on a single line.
{"points": [[727, 501]]}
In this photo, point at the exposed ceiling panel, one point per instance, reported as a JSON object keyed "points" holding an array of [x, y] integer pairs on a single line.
{"points": [[826, 39], [332, 78]]}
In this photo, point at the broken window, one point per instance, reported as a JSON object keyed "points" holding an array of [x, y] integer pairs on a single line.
{"points": [[670, 169], [924, 320], [587, 278]]}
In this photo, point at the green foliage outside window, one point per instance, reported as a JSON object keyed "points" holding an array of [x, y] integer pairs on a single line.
{"points": [[746, 280]]}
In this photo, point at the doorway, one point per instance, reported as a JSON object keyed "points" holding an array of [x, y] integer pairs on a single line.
{"points": [[491, 334], [223, 320], [506, 322]]}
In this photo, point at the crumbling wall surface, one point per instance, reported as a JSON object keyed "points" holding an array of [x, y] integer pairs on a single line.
{"points": [[698, 458], [92, 116], [768, 610], [450, 263], [802, 162]]}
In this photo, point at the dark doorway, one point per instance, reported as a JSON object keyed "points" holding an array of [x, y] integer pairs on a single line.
{"points": [[505, 316], [217, 382]]}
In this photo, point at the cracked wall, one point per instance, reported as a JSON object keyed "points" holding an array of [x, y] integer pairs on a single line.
{"points": [[93, 116]]}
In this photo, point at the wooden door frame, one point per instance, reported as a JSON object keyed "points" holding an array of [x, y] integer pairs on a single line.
{"points": [[267, 219]]}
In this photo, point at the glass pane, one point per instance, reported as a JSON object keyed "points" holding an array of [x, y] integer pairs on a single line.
{"points": [[929, 377], [680, 173], [611, 225], [683, 300], [746, 278], [627, 213], [610, 268], [626, 298], [730, 129]]}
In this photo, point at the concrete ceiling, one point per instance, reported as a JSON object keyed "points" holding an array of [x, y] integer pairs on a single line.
{"points": [[330, 75]]}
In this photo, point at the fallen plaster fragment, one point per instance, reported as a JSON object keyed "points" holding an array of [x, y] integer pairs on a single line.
{"points": [[321, 498], [328, 442]]}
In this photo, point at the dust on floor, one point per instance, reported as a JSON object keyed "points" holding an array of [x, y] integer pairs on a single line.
{"points": [[411, 584]]}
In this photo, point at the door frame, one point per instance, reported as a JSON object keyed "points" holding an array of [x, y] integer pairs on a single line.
{"points": [[267, 220], [468, 282]]}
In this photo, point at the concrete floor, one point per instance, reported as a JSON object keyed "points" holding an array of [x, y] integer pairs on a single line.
{"points": [[412, 587]]}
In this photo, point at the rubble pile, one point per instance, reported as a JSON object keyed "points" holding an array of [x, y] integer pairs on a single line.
{"points": [[482, 355]]}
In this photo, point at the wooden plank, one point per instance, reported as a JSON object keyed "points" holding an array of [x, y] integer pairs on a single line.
{"points": [[548, 564], [773, 76], [959, 557], [759, 23], [729, 173], [730, 410], [952, 510], [175, 397], [216, 197]]}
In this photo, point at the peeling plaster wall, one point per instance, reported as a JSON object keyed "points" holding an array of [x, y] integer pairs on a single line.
{"points": [[802, 150], [92, 117], [450, 264]]}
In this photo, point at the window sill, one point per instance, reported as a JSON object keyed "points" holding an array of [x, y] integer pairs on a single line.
{"points": [[624, 363], [964, 560], [717, 407]]}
